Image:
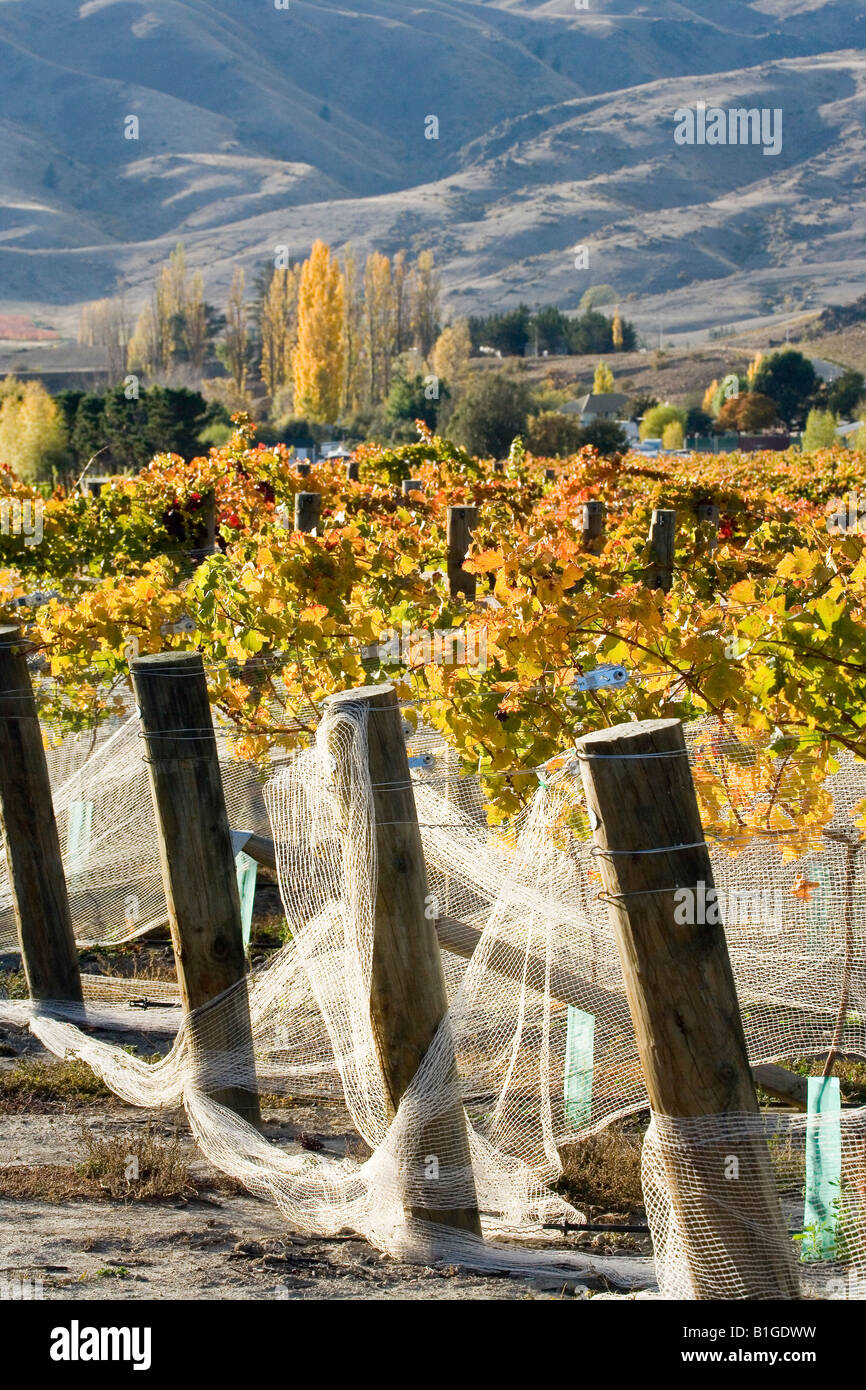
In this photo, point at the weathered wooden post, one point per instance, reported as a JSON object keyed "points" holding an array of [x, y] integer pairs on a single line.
{"points": [[707, 514], [198, 870], [407, 990], [303, 469], [662, 537], [592, 525], [308, 510], [549, 474], [411, 485], [461, 523], [683, 1001], [205, 537], [36, 876], [352, 470]]}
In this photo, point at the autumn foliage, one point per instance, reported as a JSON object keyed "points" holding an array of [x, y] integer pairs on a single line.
{"points": [[762, 634]]}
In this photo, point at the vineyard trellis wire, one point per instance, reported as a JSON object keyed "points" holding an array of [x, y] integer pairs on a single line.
{"points": [[530, 891]]}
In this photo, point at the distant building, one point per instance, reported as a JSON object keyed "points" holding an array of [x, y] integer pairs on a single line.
{"points": [[607, 406]]}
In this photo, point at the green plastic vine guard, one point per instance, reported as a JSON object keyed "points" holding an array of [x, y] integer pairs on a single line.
{"points": [[823, 1169], [78, 831], [247, 871], [579, 1046]]}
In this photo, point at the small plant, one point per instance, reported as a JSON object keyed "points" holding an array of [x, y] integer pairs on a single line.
{"points": [[604, 1170], [137, 1166]]}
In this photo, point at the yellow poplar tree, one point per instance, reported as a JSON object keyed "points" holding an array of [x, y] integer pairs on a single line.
{"points": [[752, 369], [379, 306], [32, 434], [195, 322], [279, 328], [425, 303], [616, 330], [355, 378], [603, 380], [319, 358], [236, 332], [452, 351]]}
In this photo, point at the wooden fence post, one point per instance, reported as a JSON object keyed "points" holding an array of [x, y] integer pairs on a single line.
{"points": [[198, 868], [461, 523], [352, 470], [683, 1001], [707, 514], [308, 510], [303, 469], [206, 529], [36, 876], [411, 485], [662, 537], [407, 992], [592, 525]]}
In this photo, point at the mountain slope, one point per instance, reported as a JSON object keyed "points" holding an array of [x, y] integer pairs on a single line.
{"points": [[260, 127]]}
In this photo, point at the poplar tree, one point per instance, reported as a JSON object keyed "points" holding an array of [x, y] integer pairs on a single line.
{"points": [[425, 307], [237, 331], [279, 328], [379, 318], [603, 381], [319, 358]]}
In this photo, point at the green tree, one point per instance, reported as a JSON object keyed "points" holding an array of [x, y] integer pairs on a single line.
{"points": [[790, 380], [550, 434], [639, 405], [550, 330], [491, 412], [607, 436], [652, 425], [672, 435], [698, 421], [408, 399], [845, 394], [820, 431], [508, 333]]}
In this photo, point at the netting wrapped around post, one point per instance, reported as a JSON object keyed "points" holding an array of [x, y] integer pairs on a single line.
{"points": [[537, 1014]]}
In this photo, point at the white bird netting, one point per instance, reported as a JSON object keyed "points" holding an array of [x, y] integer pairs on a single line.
{"points": [[537, 1014]]}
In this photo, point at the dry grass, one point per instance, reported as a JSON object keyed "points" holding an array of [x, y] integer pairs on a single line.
{"points": [[39, 1086], [138, 1166], [603, 1171], [133, 1167], [135, 961]]}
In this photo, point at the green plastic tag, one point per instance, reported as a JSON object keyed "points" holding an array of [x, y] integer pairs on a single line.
{"points": [[78, 829], [823, 1169], [579, 1044], [247, 870]]}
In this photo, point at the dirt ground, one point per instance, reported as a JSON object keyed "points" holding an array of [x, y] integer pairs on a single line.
{"points": [[220, 1242]]}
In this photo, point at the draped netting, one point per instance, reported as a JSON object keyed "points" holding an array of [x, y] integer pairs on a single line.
{"points": [[537, 1012]]}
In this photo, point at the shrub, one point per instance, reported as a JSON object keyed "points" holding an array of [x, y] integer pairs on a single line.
{"points": [[653, 423], [492, 410], [552, 434], [820, 431]]}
